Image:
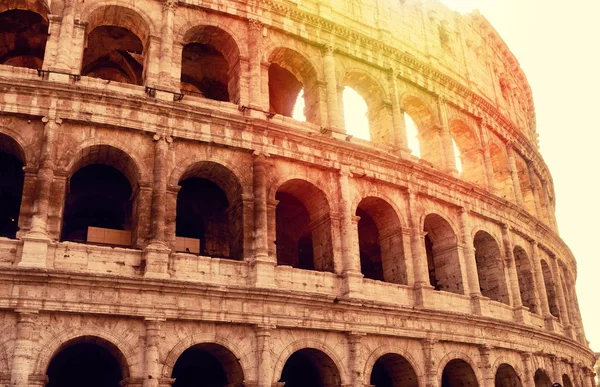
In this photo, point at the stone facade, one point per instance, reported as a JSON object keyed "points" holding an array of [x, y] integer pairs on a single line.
{"points": [[166, 207]]}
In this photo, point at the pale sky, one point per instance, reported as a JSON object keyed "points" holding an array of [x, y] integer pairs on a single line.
{"points": [[557, 44]]}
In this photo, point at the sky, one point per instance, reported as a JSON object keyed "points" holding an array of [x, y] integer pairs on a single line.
{"points": [[557, 45]]}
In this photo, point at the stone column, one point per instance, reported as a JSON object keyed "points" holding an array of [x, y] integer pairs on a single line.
{"points": [[22, 355], [152, 358], [400, 140], [469, 254], [534, 190], [539, 281], [263, 344], [417, 244], [514, 174], [430, 366], [351, 272], [152, 63], [156, 253], [485, 366], [560, 295], [355, 359], [262, 265], [254, 61], [333, 110], [549, 207], [166, 44], [449, 157], [487, 158], [528, 380], [35, 243], [556, 374], [65, 39]]}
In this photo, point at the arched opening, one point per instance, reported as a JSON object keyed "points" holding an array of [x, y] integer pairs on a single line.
{"points": [[429, 140], [442, 255], [468, 152], [525, 184], [526, 279], [506, 376], [363, 87], [356, 114], [490, 268], [380, 241], [291, 74], [502, 176], [566, 381], [412, 135], [210, 64], [207, 365], [310, 367], [87, 361], [541, 379], [11, 186], [550, 289], [458, 163], [209, 217], [23, 35], [303, 227], [393, 370], [458, 373], [101, 198], [116, 45]]}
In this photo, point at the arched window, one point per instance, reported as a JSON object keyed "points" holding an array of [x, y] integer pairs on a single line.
{"points": [[502, 175], [506, 376], [11, 185], [442, 255], [392, 370], [467, 152], [490, 268], [525, 184], [310, 367], [550, 289], [526, 279], [428, 141], [541, 379], [23, 33], [356, 114], [207, 364], [412, 135], [458, 373]]}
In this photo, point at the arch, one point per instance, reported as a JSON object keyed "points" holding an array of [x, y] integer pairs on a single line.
{"points": [[541, 379], [11, 185], [210, 63], [471, 153], [457, 371], [506, 376], [502, 176], [122, 14], [244, 359], [389, 349], [289, 73], [209, 364], [441, 247], [526, 185], [490, 267], [308, 244], [550, 286], [298, 345], [24, 33], [118, 38], [378, 109], [421, 113], [83, 356], [380, 241], [393, 370], [566, 381], [526, 279]]}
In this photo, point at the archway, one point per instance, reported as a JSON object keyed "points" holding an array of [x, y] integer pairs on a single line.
{"points": [[458, 373], [303, 227], [429, 141], [502, 175], [116, 45], [442, 255], [470, 155], [490, 268], [11, 185], [506, 376], [23, 33], [393, 370], [541, 379], [207, 365], [310, 367], [526, 279], [87, 361], [566, 381], [210, 64], [550, 286], [380, 241]]}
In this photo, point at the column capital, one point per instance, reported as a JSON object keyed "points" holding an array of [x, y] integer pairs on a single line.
{"points": [[328, 49], [345, 171], [254, 24], [169, 5], [264, 330]]}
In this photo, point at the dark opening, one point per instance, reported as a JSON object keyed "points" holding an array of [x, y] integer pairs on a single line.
{"points": [[115, 54], [393, 370], [566, 381], [23, 36], [490, 269], [458, 373], [430, 263], [11, 190], [506, 376], [99, 196], [541, 379], [202, 214], [550, 289], [442, 254], [84, 364], [310, 368], [207, 365], [370, 250], [204, 70], [525, 277], [294, 237], [284, 88]]}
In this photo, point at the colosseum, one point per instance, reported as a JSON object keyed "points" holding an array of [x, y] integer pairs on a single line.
{"points": [[167, 220]]}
